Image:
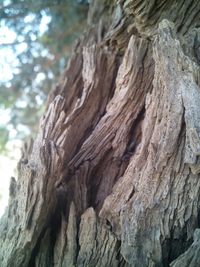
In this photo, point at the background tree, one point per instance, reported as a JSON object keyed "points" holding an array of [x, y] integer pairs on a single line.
{"points": [[113, 176], [36, 59]]}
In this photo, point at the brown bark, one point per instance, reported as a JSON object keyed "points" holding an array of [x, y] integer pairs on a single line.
{"points": [[113, 176]]}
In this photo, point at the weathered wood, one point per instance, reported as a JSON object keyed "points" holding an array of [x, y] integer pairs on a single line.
{"points": [[113, 177], [191, 256]]}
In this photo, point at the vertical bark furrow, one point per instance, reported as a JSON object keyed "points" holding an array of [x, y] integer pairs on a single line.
{"points": [[152, 180], [191, 257], [148, 14]]}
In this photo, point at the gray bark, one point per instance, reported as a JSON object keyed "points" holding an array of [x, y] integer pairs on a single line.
{"points": [[113, 177]]}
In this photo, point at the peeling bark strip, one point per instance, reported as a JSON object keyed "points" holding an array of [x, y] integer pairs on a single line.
{"points": [[113, 177]]}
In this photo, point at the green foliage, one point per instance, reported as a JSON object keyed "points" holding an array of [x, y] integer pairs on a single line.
{"points": [[37, 43], [4, 135]]}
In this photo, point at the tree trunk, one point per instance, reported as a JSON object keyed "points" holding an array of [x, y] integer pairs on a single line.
{"points": [[113, 177]]}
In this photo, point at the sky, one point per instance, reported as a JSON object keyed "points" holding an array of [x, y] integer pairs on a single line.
{"points": [[7, 170], [8, 62]]}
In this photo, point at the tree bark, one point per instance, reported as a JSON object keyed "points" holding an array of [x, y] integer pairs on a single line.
{"points": [[113, 177]]}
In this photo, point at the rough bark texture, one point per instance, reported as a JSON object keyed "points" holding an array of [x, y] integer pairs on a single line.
{"points": [[113, 178]]}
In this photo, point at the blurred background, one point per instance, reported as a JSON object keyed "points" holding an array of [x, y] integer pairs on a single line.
{"points": [[36, 38]]}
